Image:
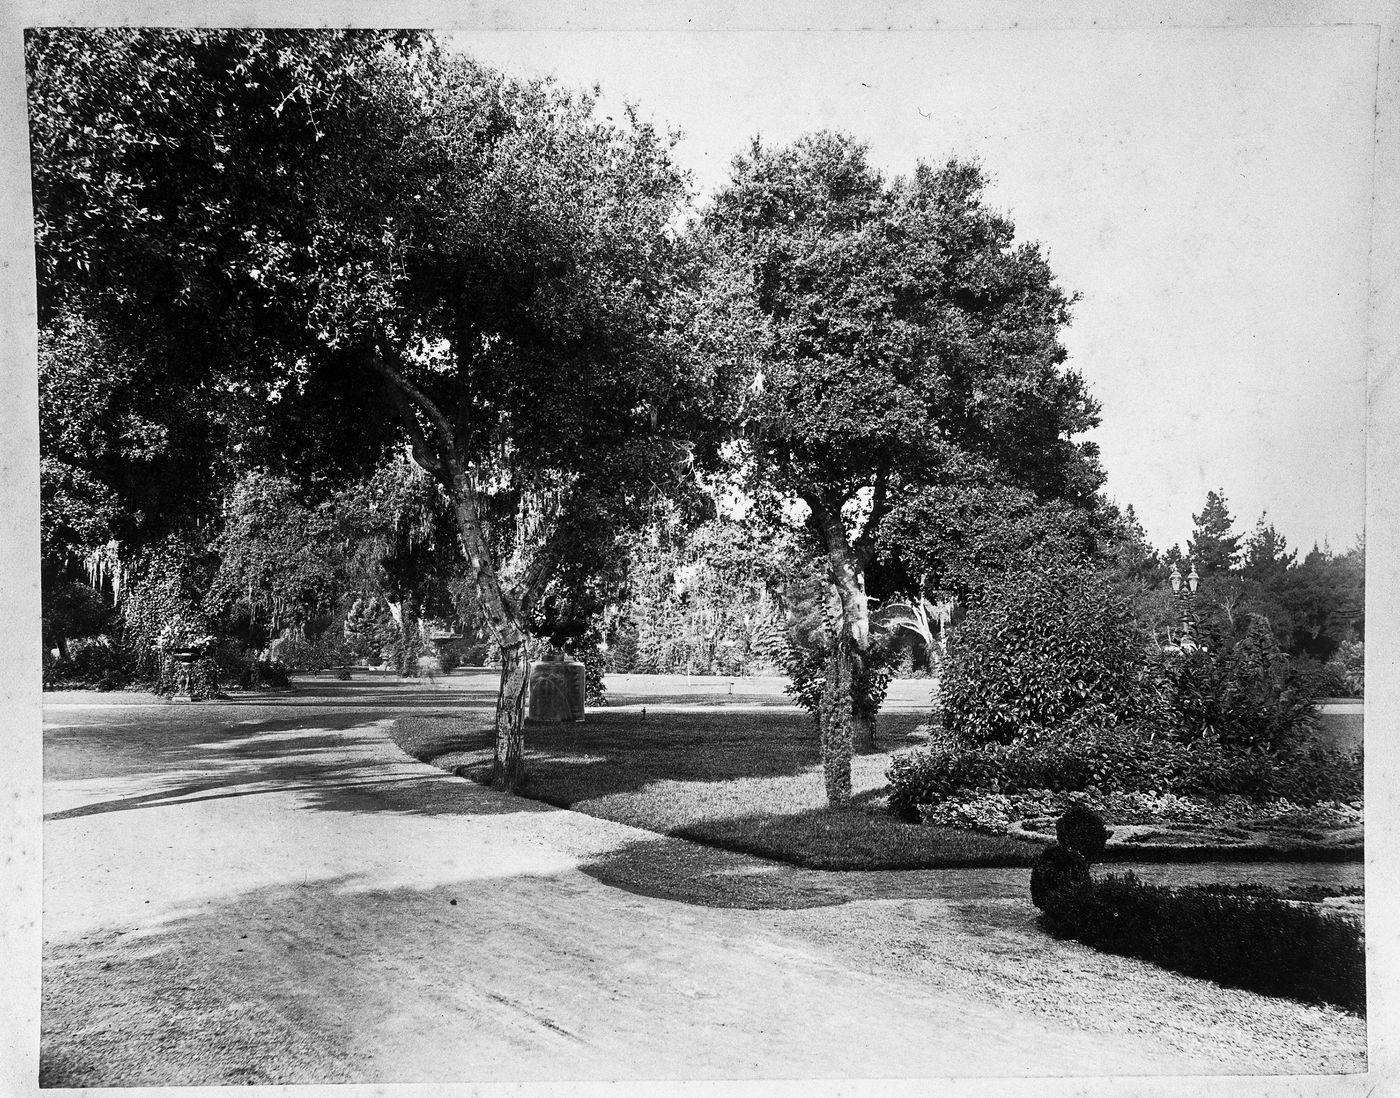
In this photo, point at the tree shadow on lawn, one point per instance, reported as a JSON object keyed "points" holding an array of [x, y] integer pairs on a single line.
{"points": [[744, 782], [620, 752], [431, 796], [711, 876]]}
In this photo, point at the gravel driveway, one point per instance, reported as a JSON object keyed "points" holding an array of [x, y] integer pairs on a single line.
{"points": [[266, 890]]}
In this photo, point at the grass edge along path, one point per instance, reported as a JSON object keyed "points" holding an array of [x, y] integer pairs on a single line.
{"points": [[749, 780], [741, 780]]}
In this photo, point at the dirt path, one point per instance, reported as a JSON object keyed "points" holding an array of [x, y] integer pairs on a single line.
{"points": [[269, 892]]}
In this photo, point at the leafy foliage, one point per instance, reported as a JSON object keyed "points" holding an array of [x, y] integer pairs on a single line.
{"points": [[165, 599], [73, 610], [1045, 647], [1348, 664], [95, 664], [697, 600], [1241, 691]]}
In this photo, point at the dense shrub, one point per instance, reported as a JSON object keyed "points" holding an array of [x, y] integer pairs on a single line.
{"points": [[1348, 665], [1259, 942], [1043, 646], [1239, 690], [1324, 680], [243, 668], [449, 658], [296, 653], [1122, 759], [94, 664]]}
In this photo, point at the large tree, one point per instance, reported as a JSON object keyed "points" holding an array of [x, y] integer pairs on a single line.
{"points": [[904, 336], [386, 244], [161, 162]]}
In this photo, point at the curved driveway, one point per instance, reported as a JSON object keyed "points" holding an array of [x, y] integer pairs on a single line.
{"points": [[266, 890]]}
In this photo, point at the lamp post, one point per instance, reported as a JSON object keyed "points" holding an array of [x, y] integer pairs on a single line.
{"points": [[1187, 598]]}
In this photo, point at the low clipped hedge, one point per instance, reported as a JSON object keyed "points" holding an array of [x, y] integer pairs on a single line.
{"points": [[1260, 942], [1125, 759]]}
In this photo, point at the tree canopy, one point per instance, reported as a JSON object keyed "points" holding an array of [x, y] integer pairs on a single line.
{"points": [[366, 243], [905, 339]]}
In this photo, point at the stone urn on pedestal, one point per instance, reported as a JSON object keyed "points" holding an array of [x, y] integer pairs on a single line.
{"points": [[183, 641], [184, 660], [556, 692]]}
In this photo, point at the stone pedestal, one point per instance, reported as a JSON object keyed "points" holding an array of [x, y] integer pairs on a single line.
{"points": [[556, 690]]}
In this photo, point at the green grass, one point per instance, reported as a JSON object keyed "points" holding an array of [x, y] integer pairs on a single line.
{"points": [[738, 779]]}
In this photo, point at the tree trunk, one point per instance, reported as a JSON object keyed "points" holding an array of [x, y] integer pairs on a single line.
{"points": [[855, 731], [506, 624], [506, 614], [862, 732], [508, 768]]}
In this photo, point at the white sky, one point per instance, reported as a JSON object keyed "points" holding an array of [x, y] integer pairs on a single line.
{"points": [[1207, 191]]}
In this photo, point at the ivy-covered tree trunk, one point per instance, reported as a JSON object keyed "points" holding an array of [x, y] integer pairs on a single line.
{"points": [[834, 724], [848, 579]]}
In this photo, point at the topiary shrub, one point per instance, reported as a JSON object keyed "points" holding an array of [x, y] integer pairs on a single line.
{"points": [[1083, 831], [1057, 874], [1042, 647]]}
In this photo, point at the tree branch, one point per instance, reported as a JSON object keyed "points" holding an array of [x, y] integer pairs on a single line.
{"points": [[879, 508], [545, 561], [447, 439], [422, 452]]}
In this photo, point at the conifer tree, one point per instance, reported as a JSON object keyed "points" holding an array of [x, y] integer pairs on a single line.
{"points": [[1214, 548]]}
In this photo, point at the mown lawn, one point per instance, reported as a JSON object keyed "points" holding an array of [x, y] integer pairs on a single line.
{"points": [[746, 779]]}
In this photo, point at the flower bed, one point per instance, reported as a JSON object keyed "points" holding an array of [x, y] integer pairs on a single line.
{"points": [[1157, 818]]}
